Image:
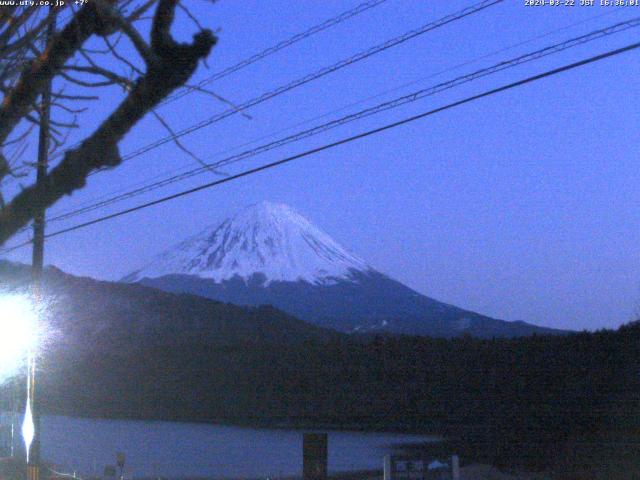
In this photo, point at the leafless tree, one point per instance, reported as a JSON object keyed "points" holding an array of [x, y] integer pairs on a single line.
{"points": [[31, 58]]}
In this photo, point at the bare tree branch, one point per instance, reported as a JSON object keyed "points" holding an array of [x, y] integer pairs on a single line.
{"points": [[108, 74], [172, 65], [141, 10], [36, 75], [176, 140], [128, 29], [221, 99]]}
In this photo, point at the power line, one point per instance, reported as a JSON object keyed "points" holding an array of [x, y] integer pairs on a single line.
{"points": [[109, 196], [363, 7], [395, 103], [458, 15], [357, 10], [548, 73], [316, 75]]}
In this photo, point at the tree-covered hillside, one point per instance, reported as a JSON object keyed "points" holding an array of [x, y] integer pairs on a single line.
{"points": [[529, 401]]}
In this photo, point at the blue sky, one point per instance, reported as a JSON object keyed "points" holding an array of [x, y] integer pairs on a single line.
{"points": [[522, 206]]}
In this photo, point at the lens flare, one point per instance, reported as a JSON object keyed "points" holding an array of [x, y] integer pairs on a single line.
{"points": [[28, 427], [19, 333]]}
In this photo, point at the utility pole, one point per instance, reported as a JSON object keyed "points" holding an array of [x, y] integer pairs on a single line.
{"points": [[37, 259], [37, 262]]}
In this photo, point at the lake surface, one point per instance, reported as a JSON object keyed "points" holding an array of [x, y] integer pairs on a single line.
{"points": [[171, 449]]}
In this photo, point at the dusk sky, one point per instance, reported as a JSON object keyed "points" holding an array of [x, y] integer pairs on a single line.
{"points": [[521, 206]]}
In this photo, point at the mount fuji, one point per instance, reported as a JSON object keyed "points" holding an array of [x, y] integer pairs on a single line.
{"points": [[270, 254]]}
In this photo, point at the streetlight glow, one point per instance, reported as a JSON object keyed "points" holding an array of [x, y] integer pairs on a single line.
{"points": [[28, 428], [19, 341], [19, 333]]}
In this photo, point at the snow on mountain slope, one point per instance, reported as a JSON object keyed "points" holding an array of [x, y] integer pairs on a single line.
{"points": [[268, 254], [266, 238]]}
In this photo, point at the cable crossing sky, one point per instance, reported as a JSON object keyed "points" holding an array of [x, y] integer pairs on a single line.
{"points": [[187, 170], [357, 10], [534, 78], [382, 107], [316, 75], [361, 8]]}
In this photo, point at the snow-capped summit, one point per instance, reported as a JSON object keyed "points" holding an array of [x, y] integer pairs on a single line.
{"points": [[268, 254], [267, 238]]}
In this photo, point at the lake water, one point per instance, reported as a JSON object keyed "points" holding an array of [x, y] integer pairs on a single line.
{"points": [[170, 449]]}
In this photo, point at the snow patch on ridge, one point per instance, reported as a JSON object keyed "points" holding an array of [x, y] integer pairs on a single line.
{"points": [[267, 238]]}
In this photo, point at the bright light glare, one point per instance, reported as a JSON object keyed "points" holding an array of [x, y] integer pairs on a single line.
{"points": [[18, 333], [28, 428]]}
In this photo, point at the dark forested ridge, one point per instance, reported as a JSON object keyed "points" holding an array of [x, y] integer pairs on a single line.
{"points": [[99, 316], [269, 254], [366, 302], [527, 401], [128, 351]]}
